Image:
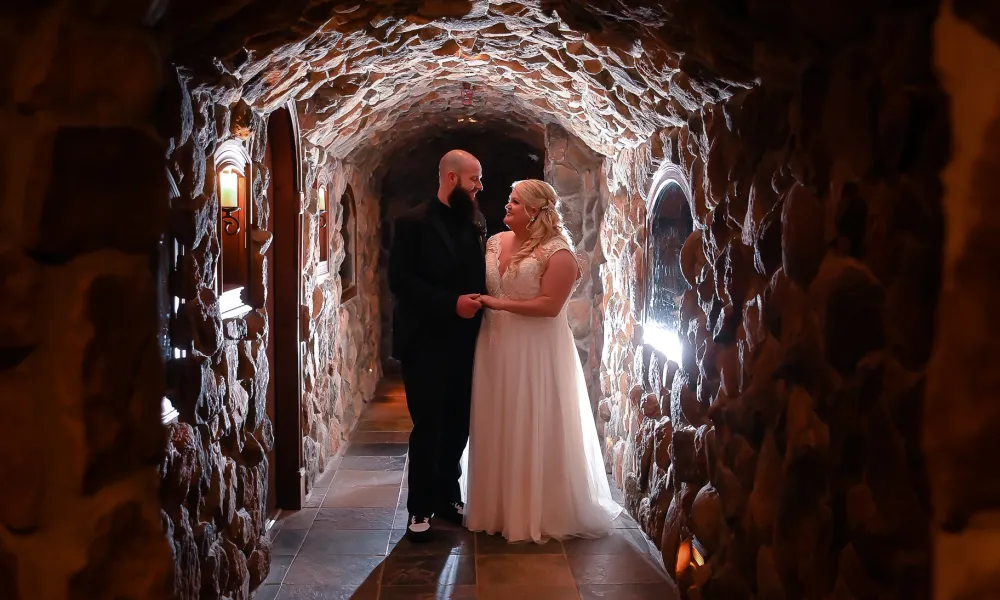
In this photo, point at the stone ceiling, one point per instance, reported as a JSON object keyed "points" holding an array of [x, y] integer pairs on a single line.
{"points": [[370, 72]]}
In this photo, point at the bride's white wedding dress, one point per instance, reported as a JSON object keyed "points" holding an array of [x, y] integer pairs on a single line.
{"points": [[534, 466]]}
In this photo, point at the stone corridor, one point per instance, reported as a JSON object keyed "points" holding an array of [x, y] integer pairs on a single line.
{"points": [[347, 543]]}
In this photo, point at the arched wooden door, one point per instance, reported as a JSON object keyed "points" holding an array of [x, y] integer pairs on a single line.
{"points": [[285, 482]]}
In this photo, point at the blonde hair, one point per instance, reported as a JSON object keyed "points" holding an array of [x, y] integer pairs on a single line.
{"points": [[547, 222]]}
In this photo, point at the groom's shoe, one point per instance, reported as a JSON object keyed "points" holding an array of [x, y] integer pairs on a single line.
{"points": [[418, 528], [453, 512]]}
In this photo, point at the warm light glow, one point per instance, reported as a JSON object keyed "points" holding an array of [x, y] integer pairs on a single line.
{"points": [[229, 188], [471, 120], [321, 202], [664, 340], [683, 557], [699, 560]]}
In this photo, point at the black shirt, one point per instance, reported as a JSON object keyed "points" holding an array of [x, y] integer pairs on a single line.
{"points": [[470, 277]]}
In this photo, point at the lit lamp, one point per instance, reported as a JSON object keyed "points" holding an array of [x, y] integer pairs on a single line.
{"points": [[229, 200], [321, 206]]}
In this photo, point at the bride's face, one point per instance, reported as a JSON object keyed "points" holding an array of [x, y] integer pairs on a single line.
{"points": [[517, 217]]}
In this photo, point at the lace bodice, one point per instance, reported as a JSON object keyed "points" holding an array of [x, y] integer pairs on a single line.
{"points": [[522, 281]]}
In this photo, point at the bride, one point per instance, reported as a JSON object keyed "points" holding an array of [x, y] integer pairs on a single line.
{"points": [[535, 468]]}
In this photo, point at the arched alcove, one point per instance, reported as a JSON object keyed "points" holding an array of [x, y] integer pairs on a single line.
{"points": [[668, 224], [348, 237]]}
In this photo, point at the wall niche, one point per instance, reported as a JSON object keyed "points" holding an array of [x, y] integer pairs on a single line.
{"points": [[348, 236], [668, 225], [233, 171], [323, 225]]}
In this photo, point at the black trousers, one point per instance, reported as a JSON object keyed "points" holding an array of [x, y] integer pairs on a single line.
{"points": [[439, 397]]}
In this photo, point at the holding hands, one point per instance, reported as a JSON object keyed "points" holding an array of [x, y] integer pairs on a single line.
{"points": [[469, 304], [491, 302]]}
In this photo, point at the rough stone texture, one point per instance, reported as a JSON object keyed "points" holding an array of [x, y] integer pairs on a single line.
{"points": [[577, 174], [215, 475], [341, 363], [961, 408], [82, 210], [793, 454], [371, 71]]}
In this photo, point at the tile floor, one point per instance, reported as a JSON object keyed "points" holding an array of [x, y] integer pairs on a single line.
{"points": [[348, 542]]}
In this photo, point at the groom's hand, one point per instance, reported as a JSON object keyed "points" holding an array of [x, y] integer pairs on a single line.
{"points": [[468, 305]]}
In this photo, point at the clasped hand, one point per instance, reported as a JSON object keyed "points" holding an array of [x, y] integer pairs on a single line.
{"points": [[469, 304]]}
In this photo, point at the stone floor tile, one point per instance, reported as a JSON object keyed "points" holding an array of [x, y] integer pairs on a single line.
{"points": [[297, 519], [528, 592], [369, 591], [380, 437], [355, 479], [324, 541], [373, 463], [429, 592], [589, 569], [444, 541], [287, 542], [518, 570], [343, 571], [279, 566], [496, 544], [377, 449], [362, 497], [267, 592], [630, 591], [386, 424], [447, 570], [400, 519], [625, 521], [621, 541], [354, 518]]}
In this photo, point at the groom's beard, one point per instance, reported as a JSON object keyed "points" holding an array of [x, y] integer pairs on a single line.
{"points": [[462, 203]]}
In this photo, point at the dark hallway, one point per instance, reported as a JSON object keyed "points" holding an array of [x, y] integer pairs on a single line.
{"points": [[784, 214]]}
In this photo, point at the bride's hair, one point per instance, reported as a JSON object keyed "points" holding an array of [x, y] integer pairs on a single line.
{"points": [[547, 224]]}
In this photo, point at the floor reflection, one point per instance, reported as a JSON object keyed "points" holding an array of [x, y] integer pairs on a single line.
{"points": [[349, 544]]}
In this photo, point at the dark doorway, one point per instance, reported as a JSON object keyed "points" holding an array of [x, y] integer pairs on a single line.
{"points": [[283, 301], [412, 177]]}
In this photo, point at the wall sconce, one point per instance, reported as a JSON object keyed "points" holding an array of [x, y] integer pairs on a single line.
{"points": [[229, 199], [321, 206]]}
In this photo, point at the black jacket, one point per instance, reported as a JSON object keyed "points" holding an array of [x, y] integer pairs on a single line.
{"points": [[434, 259]]}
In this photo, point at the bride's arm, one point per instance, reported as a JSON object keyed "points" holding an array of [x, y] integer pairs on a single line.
{"points": [[560, 273]]}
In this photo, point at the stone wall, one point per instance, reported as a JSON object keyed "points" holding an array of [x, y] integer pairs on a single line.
{"points": [[577, 174], [83, 207], [341, 362], [788, 442], [214, 479], [961, 411]]}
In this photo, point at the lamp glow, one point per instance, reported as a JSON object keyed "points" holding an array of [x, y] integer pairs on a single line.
{"points": [[228, 189], [664, 340], [321, 202]]}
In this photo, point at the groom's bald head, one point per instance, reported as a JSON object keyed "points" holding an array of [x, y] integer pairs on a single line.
{"points": [[459, 168]]}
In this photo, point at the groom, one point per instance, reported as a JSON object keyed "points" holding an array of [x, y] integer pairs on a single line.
{"points": [[436, 270]]}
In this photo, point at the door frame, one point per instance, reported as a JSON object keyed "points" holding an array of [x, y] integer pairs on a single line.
{"points": [[286, 285]]}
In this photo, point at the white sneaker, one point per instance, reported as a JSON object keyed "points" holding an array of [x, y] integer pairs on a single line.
{"points": [[418, 527]]}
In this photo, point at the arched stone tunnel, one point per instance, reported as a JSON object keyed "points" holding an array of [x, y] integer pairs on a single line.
{"points": [[786, 209]]}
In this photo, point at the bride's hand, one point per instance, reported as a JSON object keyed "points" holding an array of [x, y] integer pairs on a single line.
{"points": [[490, 302]]}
